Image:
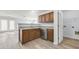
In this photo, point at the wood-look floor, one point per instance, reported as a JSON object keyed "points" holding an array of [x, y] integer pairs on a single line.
{"points": [[70, 43], [44, 44]]}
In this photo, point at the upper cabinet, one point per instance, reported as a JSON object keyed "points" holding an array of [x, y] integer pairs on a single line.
{"points": [[42, 18], [51, 15], [46, 18]]}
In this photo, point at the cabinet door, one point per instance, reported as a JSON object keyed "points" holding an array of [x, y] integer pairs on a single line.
{"points": [[31, 34], [37, 33], [47, 17], [25, 36], [43, 18], [34, 34], [51, 17], [50, 34]]}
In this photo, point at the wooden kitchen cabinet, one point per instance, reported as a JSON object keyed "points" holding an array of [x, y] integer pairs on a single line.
{"points": [[34, 34], [31, 31], [30, 34], [37, 33], [25, 36], [43, 18], [51, 15], [50, 34], [46, 18]]}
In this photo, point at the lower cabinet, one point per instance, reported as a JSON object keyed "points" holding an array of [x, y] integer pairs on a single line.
{"points": [[30, 34], [50, 34], [34, 34], [25, 36]]}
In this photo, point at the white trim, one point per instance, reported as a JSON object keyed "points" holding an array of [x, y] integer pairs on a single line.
{"points": [[46, 12]]}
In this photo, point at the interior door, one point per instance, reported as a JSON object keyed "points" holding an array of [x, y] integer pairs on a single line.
{"points": [[69, 28]]}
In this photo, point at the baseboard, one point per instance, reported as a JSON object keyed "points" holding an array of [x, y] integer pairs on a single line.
{"points": [[68, 38]]}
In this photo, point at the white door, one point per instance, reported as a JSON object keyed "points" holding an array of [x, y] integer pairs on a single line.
{"points": [[60, 26], [69, 28]]}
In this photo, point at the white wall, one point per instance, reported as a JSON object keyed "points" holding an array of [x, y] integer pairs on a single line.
{"points": [[56, 27], [60, 26], [71, 18], [22, 16], [27, 20], [71, 14]]}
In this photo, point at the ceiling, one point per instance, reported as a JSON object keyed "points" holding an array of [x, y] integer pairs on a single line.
{"points": [[21, 13]]}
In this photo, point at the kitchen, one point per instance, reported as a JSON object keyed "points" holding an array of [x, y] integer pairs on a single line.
{"points": [[20, 27], [44, 29]]}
